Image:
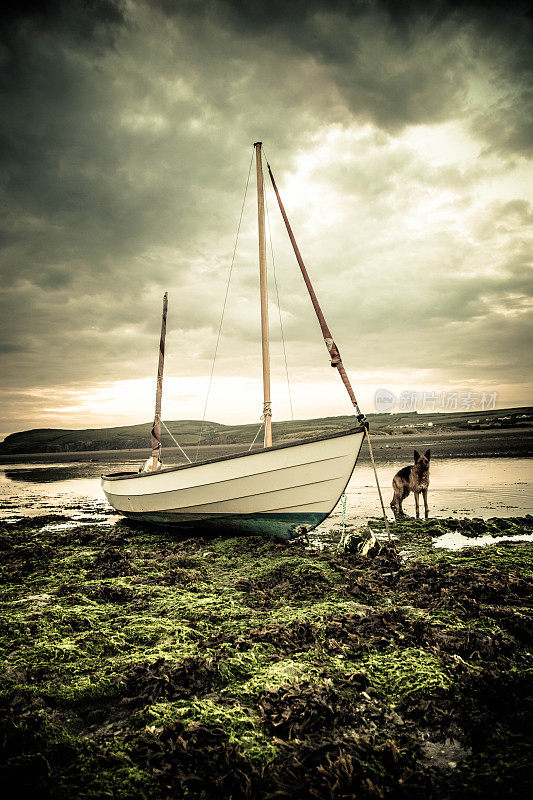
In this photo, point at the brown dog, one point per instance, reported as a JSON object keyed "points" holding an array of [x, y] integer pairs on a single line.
{"points": [[412, 479]]}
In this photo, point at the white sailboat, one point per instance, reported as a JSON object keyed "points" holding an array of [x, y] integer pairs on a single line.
{"points": [[281, 490]]}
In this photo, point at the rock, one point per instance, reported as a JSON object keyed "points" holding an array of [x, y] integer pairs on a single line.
{"points": [[302, 530], [361, 541]]}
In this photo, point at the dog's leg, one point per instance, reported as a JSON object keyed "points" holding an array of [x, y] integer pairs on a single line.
{"points": [[404, 494], [417, 503], [394, 502], [425, 497], [404, 491], [396, 505], [399, 494]]}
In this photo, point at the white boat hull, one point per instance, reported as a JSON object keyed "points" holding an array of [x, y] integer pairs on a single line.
{"points": [[273, 491]]}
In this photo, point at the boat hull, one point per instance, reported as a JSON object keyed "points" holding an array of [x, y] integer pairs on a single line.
{"points": [[275, 491]]}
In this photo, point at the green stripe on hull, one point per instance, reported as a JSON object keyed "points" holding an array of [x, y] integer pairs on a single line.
{"points": [[282, 526]]}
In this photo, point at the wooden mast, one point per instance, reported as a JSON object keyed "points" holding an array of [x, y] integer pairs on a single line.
{"points": [[267, 411], [156, 429]]}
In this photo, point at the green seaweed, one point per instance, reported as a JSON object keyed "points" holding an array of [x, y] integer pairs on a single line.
{"points": [[130, 649], [399, 674], [242, 724]]}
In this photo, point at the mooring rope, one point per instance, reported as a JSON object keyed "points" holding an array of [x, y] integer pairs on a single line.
{"points": [[343, 514], [176, 442], [223, 309], [387, 527]]}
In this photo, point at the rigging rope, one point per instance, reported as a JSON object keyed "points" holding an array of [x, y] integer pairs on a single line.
{"points": [[257, 434], [176, 442], [223, 309], [279, 307]]}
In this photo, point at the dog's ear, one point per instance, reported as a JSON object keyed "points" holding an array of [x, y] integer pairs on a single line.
{"points": [[417, 455], [427, 454]]}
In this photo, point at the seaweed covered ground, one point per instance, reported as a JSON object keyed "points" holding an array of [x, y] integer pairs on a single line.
{"points": [[137, 664]]}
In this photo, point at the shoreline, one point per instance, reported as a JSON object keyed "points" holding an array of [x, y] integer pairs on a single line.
{"points": [[452, 444]]}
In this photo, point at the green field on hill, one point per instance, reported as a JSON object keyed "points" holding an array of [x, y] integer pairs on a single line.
{"points": [[130, 437]]}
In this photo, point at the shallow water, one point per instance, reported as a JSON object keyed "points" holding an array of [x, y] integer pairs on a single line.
{"points": [[456, 541], [482, 487], [73, 490], [478, 487]]}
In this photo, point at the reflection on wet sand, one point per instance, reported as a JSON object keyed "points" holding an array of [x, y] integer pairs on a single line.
{"points": [[44, 474], [475, 487]]}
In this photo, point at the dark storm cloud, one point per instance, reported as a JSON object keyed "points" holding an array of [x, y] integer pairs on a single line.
{"points": [[84, 191], [81, 20], [54, 156], [404, 15], [125, 138], [99, 163], [415, 69]]}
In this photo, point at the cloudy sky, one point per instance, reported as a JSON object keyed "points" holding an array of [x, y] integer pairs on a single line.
{"points": [[400, 137]]}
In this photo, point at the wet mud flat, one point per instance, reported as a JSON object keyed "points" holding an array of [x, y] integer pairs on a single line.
{"points": [[137, 664]]}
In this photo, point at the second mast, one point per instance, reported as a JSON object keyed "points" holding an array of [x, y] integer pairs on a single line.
{"points": [[156, 429], [267, 411]]}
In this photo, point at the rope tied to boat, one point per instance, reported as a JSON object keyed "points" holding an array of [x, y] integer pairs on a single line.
{"points": [[257, 434], [267, 412], [176, 442]]}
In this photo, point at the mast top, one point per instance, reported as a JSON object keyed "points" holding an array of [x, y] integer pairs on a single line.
{"points": [[257, 143]]}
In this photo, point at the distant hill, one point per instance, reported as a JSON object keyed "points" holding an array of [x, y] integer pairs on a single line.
{"points": [[132, 437]]}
